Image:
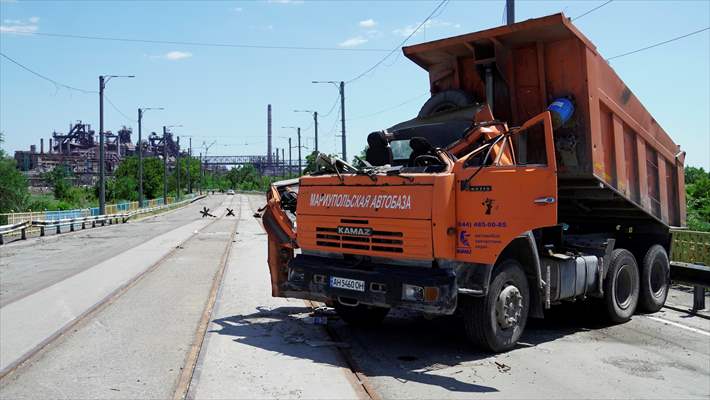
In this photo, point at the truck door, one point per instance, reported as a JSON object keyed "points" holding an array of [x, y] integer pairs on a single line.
{"points": [[279, 229], [497, 199]]}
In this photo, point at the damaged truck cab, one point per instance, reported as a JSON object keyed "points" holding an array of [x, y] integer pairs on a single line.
{"points": [[566, 194]]}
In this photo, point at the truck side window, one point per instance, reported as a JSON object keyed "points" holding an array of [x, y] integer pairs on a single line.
{"points": [[530, 147]]}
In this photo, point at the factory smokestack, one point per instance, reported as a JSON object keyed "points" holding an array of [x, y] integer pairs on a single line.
{"points": [[268, 132], [50, 146], [41, 146]]}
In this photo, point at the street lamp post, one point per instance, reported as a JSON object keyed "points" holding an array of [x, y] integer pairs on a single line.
{"points": [[140, 151], [103, 80], [341, 88], [298, 130], [315, 125]]}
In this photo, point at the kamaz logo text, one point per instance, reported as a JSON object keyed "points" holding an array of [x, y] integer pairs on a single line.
{"points": [[354, 231]]}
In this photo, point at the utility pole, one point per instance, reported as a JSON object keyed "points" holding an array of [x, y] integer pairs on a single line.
{"points": [[290, 160], [283, 163], [202, 175], [140, 151], [315, 126], [342, 119], [189, 160], [509, 12], [165, 166], [177, 166], [341, 89], [102, 166], [299, 152]]}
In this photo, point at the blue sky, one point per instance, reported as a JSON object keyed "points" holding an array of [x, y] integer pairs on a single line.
{"points": [[221, 93]]}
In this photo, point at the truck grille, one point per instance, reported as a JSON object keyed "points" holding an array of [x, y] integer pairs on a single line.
{"points": [[385, 241]]}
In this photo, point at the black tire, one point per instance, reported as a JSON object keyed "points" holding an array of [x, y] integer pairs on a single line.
{"points": [[655, 278], [621, 286], [448, 100], [361, 314], [482, 321]]}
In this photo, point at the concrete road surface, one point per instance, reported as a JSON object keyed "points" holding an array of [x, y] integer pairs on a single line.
{"points": [[255, 346]]}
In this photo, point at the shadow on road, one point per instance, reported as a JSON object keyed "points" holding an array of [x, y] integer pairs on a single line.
{"points": [[284, 331]]}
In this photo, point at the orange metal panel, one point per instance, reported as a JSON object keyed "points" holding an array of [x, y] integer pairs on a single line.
{"points": [[316, 232], [662, 186], [680, 181], [607, 145], [619, 156], [643, 174], [443, 215], [631, 167], [410, 202]]}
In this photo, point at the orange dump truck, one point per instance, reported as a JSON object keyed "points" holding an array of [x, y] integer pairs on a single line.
{"points": [[532, 176]]}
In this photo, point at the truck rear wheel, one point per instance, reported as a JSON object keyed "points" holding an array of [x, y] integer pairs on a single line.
{"points": [[496, 322], [621, 286], [655, 278], [361, 314]]}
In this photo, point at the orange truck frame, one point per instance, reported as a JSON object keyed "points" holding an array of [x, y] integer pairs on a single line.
{"points": [[567, 194]]}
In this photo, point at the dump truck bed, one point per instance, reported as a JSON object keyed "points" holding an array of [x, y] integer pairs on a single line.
{"points": [[615, 162]]}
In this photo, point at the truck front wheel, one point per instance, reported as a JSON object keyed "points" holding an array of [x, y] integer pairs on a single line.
{"points": [[496, 322], [621, 286], [361, 314], [655, 277]]}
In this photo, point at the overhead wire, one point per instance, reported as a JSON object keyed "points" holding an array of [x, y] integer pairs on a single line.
{"points": [[118, 110], [377, 64], [592, 10], [658, 44], [206, 44], [389, 108], [46, 78]]}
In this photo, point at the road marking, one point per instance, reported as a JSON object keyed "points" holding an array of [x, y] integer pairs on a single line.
{"points": [[665, 321]]}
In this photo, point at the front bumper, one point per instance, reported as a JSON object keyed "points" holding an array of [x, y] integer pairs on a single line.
{"points": [[309, 278]]}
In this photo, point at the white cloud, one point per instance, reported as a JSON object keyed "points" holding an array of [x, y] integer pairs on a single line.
{"points": [[430, 24], [368, 23], [17, 26], [177, 55], [353, 42], [285, 1]]}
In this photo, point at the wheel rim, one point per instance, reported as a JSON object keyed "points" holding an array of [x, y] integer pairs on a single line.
{"points": [[623, 288], [658, 278], [509, 307]]}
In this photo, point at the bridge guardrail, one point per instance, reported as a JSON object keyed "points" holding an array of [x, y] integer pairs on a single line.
{"points": [[690, 262], [53, 222]]}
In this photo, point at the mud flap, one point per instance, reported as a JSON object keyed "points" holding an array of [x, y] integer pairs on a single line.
{"points": [[279, 229]]}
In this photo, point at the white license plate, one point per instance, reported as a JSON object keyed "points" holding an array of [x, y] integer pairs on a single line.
{"points": [[345, 283]]}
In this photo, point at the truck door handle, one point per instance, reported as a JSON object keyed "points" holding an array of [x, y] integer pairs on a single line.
{"points": [[544, 200]]}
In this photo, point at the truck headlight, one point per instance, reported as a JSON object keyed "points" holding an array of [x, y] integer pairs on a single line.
{"points": [[412, 292]]}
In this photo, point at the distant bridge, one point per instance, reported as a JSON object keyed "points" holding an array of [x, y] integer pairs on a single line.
{"points": [[261, 163]]}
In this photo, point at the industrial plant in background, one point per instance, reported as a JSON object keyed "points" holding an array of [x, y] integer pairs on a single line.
{"points": [[78, 150]]}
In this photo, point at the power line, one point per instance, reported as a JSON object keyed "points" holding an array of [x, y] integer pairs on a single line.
{"points": [[592, 10], [337, 98], [55, 83], [129, 119], [377, 64], [658, 44], [389, 108], [204, 44]]}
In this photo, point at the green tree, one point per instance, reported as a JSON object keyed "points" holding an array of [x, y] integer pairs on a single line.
{"points": [[697, 186], [58, 179], [13, 185]]}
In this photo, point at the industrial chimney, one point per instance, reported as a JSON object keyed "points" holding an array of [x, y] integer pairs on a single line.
{"points": [[41, 145], [51, 150], [268, 133]]}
